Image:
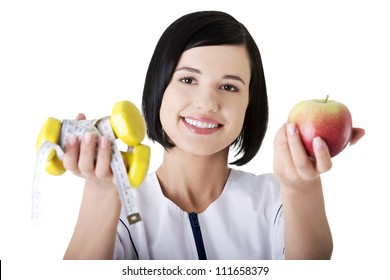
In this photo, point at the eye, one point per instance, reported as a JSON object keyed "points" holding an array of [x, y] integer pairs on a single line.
{"points": [[187, 80], [229, 87]]}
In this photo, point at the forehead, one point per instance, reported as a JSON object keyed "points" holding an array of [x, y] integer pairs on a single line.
{"points": [[224, 59]]}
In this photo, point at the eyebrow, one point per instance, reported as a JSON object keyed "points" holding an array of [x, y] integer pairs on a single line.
{"points": [[190, 69], [234, 77], [194, 70]]}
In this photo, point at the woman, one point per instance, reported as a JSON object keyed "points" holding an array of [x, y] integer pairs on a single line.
{"points": [[204, 96]]}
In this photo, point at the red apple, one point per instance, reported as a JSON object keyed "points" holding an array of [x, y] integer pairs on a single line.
{"points": [[328, 119]]}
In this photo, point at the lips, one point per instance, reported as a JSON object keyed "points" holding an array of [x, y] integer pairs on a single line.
{"points": [[200, 125]]}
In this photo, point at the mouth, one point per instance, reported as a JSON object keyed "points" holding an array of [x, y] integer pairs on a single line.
{"points": [[201, 125]]}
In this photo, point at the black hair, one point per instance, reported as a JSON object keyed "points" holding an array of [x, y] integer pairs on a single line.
{"points": [[206, 28]]}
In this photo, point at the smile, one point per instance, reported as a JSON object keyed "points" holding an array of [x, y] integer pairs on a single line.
{"points": [[200, 124]]}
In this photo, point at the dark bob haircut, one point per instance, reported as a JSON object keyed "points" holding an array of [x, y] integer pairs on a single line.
{"points": [[206, 28]]}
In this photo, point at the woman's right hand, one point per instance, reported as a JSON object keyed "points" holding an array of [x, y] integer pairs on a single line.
{"points": [[79, 158], [100, 198]]}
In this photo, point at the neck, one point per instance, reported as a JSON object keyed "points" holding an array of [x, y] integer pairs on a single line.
{"points": [[193, 182]]}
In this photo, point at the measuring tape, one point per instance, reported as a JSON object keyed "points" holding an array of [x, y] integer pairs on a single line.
{"points": [[125, 123], [45, 150]]}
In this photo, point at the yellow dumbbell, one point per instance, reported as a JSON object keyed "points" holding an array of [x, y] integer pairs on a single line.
{"points": [[127, 124], [51, 131], [137, 163]]}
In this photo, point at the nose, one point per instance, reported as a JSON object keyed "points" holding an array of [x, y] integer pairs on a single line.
{"points": [[207, 101]]}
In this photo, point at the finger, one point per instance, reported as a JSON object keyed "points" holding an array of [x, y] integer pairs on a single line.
{"points": [[321, 152], [80, 116], [71, 156], [87, 154], [102, 168], [357, 134], [304, 166], [283, 163]]}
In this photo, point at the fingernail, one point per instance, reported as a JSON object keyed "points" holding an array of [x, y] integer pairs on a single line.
{"points": [[88, 138], [291, 129], [104, 142], [317, 143], [71, 139]]}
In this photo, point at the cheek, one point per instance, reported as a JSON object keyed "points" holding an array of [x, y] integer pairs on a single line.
{"points": [[239, 123], [169, 107], [237, 116], [164, 111]]}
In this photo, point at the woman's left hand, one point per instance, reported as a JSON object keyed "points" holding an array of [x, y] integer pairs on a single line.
{"points": [[292, 165]]}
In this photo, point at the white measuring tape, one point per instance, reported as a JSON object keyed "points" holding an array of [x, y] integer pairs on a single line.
{"points": [[97, 128], [40, 165]]}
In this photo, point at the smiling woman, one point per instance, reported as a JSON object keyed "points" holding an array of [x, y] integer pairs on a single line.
{"points": [[62, 57], [208, 98], [204, 96], [198, 30]]}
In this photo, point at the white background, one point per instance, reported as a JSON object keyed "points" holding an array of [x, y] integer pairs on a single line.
{"points": [[58, 58]]}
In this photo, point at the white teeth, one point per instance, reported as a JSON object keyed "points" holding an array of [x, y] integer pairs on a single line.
{"points": [[200, 124]]}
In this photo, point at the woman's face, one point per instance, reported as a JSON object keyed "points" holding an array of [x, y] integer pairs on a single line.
{"points": [[203, 107]]}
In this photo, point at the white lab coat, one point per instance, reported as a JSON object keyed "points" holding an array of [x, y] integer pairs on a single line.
{"points": [[245, 222]]}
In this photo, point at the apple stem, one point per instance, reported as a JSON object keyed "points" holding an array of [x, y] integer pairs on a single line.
{"points": [[326, 100]]}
